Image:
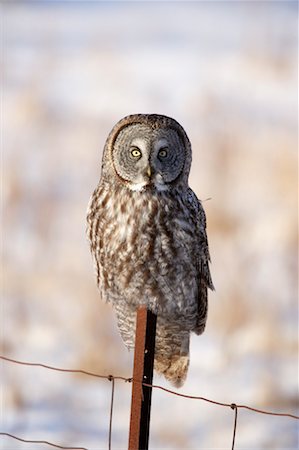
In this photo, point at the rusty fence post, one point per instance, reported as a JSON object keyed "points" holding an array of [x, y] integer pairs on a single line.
{"points": [[143, 372]]}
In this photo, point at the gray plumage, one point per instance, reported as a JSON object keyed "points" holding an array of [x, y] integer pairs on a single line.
{"points": [[147, 233]]}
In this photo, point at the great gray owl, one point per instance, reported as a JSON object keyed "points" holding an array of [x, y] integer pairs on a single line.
{"points": [[147, 233]]}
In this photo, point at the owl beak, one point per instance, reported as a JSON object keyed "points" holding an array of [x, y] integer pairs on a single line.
{"points": [[148, 171]]}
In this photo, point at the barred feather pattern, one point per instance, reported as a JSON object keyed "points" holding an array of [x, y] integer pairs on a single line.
{"points": [[151, 248]]}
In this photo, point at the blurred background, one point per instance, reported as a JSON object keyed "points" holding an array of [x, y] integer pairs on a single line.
{"points": [[227, 71]]}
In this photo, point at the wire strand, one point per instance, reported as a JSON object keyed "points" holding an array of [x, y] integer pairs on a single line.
{"points": [[228, 405], [59, 369], [235, 408], [112, 379], [27, 441]]}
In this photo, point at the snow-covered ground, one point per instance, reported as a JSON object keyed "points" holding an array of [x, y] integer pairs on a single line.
{"points": [[227, 71]]}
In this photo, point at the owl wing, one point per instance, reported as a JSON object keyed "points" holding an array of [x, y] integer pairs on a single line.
{"points": [[202, 263]]}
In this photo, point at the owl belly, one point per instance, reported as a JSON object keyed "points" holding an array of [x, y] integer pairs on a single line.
{"points": [[149, 259]]}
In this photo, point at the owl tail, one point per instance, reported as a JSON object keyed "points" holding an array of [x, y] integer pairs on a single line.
{"points": [[172, 360], [177, 369]]}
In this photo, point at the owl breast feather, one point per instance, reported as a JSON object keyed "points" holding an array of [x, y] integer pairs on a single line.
{"points": [[145, 251]]}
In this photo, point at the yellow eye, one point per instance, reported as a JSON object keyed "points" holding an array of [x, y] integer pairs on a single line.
{"points": [[163, 153], [135, 152]]}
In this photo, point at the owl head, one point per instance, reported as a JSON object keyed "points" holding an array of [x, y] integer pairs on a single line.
{"points": [[147, 151]]}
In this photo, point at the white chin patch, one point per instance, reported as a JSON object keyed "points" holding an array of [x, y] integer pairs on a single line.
{"points": [[137, 186], [161, 187], [159, 183]]}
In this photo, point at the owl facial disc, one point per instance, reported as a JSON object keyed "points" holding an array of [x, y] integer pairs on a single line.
{"points": [[143, 156]]}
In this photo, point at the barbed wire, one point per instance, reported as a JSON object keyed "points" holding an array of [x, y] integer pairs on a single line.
{"points": [[112, 379]]}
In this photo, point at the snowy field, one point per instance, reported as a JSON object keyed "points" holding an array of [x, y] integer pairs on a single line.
{"points": [[227, 71]]}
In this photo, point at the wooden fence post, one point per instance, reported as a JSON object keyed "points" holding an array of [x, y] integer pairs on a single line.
{"points": [[144, 354]]}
